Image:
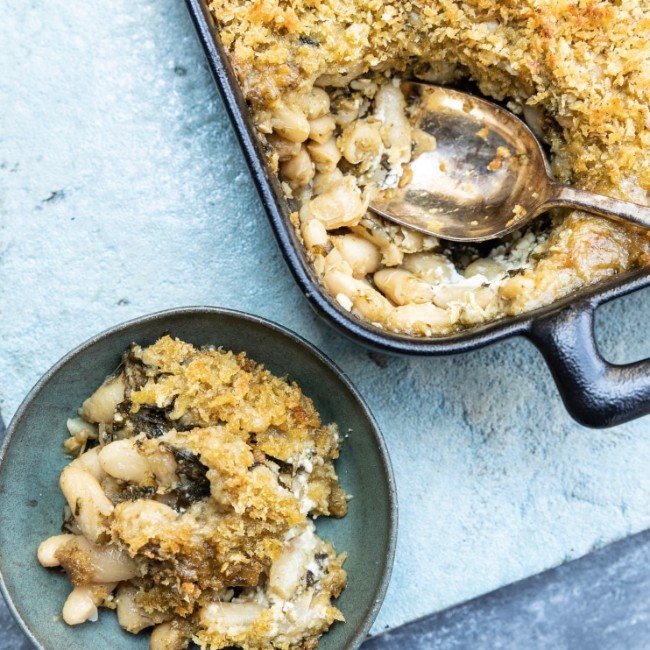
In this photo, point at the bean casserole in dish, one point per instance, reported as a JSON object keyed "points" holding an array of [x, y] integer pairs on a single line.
{"points": [[322, 83]]}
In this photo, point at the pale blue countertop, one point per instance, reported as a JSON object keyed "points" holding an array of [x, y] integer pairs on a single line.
{"points": [[123, 191]]}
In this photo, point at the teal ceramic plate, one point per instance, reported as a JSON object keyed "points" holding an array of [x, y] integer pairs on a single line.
{"points": [[32, 458]]}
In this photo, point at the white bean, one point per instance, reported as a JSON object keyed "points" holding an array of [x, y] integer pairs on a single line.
{"points": [[89, 461], [100, 406], [412, 241], [516, 286], [130, 614], [287, 571], [86, 562], [391, 255], [534, 117], [422, 318], [346, 110], [314, 234], [334, 260], [326, 155], [167, 636], [361, 142], [490, 269], [342, 286], [230, 618], [362, 256], [483, 296], [342, 205], [321, 129], [451, 293], [457, 293], [79, 426], [352, 292], [403, 287], [80, 432], [81, 604], [431, 267], [390, 109], [90, 506], [324, 181], [315, 104], [122, 460], [110, 564], [318, 262], [113, 488], [48, 549], [290, 122], [164, 466], [375, 232], [299, 170], [285, 148], [371, 305], [136, 523]]}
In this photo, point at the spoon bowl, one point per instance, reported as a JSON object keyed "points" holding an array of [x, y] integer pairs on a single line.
{"points": [[486, 176]]}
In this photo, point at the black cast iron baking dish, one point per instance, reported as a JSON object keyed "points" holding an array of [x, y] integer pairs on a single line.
{"points": [[595, 392]]}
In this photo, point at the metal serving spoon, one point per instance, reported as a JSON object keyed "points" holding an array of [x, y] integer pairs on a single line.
{"points": [[486, 175]]}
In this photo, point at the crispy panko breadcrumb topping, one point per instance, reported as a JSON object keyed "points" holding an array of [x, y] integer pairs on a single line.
{"points": [[189, 498], [578, 71]]}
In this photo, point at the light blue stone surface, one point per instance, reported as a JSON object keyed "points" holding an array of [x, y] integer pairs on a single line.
{"points": [[123, 191]]}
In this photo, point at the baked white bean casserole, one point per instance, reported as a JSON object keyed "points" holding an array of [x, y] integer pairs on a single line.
{"points": [[322, 81], [195, 476]]}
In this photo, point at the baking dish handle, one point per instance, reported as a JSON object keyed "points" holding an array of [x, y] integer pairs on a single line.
{"points": [[596, 393]]}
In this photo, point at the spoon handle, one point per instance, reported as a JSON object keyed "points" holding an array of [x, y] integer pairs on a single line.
{"points": [[564, 196]]}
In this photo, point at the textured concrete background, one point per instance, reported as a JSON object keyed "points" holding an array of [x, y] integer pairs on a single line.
{"points": [[123, 191]]}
